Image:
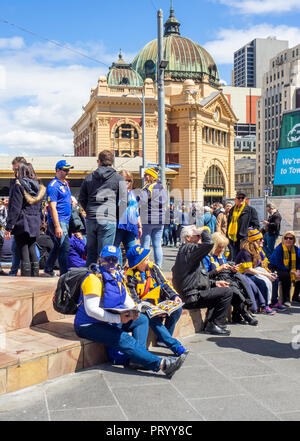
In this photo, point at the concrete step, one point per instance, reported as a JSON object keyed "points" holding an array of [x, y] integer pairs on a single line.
{"points": [[39, 344]]}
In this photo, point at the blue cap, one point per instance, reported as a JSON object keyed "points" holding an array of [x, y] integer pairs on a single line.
{"points": [[62, 165], [136, 255], [110, 250]]}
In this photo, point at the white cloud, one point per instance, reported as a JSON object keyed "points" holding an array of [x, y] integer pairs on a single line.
{"points": [[257, 7], [229, 40], [42, 96], [12, 43]]}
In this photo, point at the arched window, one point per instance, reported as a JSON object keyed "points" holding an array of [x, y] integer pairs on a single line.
{"points": [[126, 141], [214, 186]]}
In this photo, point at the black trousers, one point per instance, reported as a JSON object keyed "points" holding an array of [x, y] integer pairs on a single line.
{"points": [[26, 248], [285, 278], [217, 301]]}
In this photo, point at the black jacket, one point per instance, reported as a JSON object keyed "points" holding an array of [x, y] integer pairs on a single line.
{"points": [[24, 207], [273, 228], [247, 219], [100, 194], [189, 272]]}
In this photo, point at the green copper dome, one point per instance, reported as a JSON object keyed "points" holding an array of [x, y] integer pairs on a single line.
{"points": [[122, 74], [186, 59]]}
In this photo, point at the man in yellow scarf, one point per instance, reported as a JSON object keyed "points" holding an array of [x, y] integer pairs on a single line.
{"points": [[241, 217]]}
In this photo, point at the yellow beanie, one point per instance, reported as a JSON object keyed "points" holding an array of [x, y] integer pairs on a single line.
{"points": [[152, 172], [254, 235]]}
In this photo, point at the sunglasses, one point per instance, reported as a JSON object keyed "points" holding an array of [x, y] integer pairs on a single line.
{"points": [[111, 259], [288, 238], [241, 198]]}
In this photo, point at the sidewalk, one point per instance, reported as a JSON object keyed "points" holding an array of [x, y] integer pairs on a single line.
{"points": [[252, 375]]}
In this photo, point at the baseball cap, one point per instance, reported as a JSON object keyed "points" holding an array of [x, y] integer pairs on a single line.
{"points": [[62, 165], [110, 251], [241, 193]]}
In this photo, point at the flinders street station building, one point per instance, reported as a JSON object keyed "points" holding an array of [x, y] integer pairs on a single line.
{"points": [[199, 121]]}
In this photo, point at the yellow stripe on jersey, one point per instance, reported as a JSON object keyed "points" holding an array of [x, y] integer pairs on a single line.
{"points": [[92, 285]]}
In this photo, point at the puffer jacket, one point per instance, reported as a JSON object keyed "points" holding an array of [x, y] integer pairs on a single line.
{"points": [[24, 207], [189, 272]]}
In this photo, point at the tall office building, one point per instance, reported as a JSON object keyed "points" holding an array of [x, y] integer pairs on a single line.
{"points": [[252, 60], [280, 93]]}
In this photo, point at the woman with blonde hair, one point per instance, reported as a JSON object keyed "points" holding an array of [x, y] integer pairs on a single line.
{"points": [[251, 263], [129, 227], [219, 269], [285, 260]]}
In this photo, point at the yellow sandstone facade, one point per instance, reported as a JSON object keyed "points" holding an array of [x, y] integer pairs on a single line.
{"points": [[199, 121]]}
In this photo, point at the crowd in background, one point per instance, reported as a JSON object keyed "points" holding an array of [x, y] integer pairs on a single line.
{"points": [[227, 261]]}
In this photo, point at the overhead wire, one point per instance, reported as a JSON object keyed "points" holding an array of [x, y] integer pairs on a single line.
{"points": [[56, 43]]}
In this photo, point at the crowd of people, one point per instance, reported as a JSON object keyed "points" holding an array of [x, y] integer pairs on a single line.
{"points": [[227, 261]]}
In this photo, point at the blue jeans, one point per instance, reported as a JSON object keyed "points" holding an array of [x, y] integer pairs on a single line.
{"points": [[164, 332], [15, 258], [60, 249], [269, 244], [261, 286], [117, 337], [127, 238], [97, 237], [166, 235], [153, 233]]}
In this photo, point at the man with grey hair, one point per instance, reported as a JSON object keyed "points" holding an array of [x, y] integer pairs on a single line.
{"points": [[192, 282], [271, 228]]}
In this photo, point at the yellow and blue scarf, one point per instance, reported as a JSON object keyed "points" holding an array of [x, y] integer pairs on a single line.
{"points": [[233, 226], [286, 259]]}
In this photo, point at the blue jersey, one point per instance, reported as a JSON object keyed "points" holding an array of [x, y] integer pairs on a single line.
{"points": [[59, 192]]}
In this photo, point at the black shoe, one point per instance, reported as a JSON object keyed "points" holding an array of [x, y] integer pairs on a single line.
{"points": [[296, 298], [248, 318], [35, 269], [213, 329], [25, 270], [172, 364], [237, 318]]}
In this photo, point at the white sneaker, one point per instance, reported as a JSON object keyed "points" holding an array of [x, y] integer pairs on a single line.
{"points": [[161, 344]]}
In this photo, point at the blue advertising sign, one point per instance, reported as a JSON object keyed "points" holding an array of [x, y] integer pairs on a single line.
{"points": [[287, 169]]}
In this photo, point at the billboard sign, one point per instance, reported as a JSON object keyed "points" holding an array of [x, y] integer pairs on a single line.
{"points": [[287, 169], [290, 130]]}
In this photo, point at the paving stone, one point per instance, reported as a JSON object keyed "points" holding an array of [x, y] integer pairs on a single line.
{"points": [[29, 406], [233, 408], [166, 403], [104, 413], [82, 390], [289, 416]]}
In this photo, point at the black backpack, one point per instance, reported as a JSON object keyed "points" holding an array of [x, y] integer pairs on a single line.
{"points": [[67, 292]]}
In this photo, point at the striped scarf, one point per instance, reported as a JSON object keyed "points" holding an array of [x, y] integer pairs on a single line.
{"points": [[286, 259], [264, 260], [233, 226]]}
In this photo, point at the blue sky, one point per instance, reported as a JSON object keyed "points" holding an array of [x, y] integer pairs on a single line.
{"points": [[42, 86]]}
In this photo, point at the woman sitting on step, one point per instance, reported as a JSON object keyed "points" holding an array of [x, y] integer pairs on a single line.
{"points": [[219, 269]]}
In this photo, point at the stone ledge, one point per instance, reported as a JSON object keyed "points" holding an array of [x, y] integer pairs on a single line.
{"points": [[49, 350]]}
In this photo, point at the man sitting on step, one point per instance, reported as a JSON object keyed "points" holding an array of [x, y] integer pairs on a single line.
{"points": [[94, 322], [192, 282]]}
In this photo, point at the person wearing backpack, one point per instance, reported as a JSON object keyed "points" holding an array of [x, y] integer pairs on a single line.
{"points": [[207, 220], [94, 322]]}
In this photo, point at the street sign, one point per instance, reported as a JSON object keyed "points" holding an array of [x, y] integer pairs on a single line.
{"points": [[173, 165], [152, 165]]}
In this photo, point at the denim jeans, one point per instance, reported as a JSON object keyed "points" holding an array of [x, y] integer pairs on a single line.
{"points": [[127, 238], [118, 338], [166, 235], [97, 237], [153, 233], [60, 249], [164, 332], [269, 244]]}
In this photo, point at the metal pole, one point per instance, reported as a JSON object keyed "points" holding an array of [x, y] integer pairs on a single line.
{"points": [[161, 101], [143, 134]]}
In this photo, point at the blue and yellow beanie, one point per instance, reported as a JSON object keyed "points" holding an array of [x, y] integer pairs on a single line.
{"points": [[152, 172], [136, 255], [254, 235]]}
